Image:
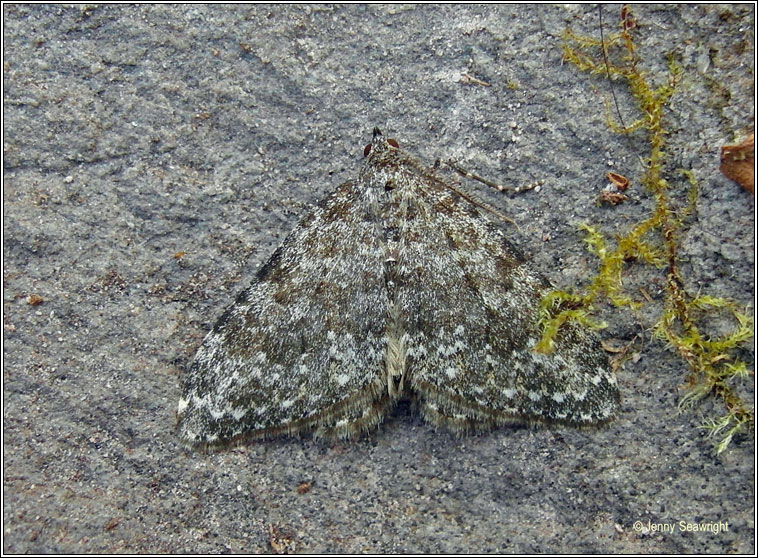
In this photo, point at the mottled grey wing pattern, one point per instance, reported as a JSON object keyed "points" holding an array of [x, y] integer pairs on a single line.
{"points": [[395, 285], [304, 345], [471, 304]]}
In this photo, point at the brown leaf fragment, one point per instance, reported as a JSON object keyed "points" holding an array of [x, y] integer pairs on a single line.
{"points": [[738, 163], [620, 181], [612, 198]]}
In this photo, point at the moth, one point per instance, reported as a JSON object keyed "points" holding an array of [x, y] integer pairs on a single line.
{"points": [[396, 285]]}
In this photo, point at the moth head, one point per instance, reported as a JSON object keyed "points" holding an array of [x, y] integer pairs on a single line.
{"points": [[379, 143]]}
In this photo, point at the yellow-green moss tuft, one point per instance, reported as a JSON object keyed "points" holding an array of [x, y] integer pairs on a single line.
{"points": [[713, 360]]}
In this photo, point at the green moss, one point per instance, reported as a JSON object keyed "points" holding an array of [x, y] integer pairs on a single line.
{"points": [[715, 368]]}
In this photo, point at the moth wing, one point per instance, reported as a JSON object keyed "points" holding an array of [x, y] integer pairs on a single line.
{"points": [[284, 357], [472, 362]]}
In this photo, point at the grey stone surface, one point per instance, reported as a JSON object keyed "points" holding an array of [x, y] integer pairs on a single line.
{"points": [[133, 134]]}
